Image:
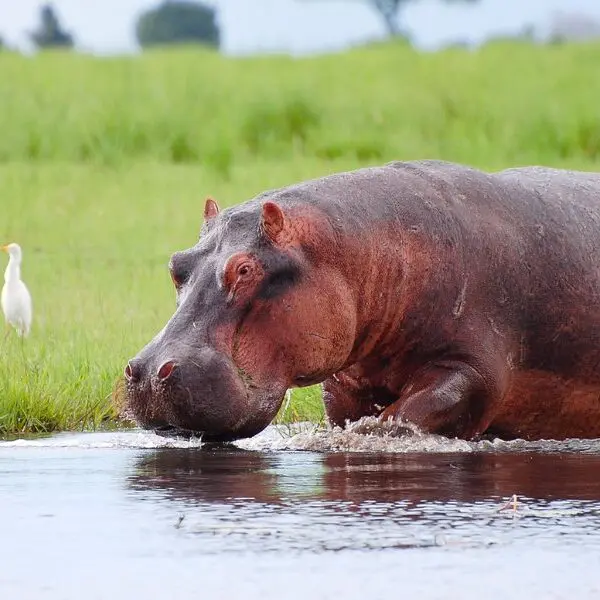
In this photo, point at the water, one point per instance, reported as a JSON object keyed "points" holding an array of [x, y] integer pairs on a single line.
{"points": [[311, 515]]}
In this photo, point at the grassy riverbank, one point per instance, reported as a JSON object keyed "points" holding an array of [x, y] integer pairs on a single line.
{"points": [[96, 242], [104, 165]]}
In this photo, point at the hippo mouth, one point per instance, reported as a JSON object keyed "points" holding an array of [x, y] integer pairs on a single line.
{"points": [[171, 431], [190, 417], [215, 422], [174, 432]]}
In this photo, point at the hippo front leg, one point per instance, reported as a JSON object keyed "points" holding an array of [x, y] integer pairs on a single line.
{"points": [[446, 398], [348, 399]]}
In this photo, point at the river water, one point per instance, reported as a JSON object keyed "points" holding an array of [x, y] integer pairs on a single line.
{"points": [[299, 514]]}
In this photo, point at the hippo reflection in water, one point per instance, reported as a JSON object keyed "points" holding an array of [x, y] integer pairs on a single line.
{"points": [[464, 302], [356, 477]]}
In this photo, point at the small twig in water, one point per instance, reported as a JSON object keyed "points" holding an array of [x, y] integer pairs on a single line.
{"points": [[512, 502]]}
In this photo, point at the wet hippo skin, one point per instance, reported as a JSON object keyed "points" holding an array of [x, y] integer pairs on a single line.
{"points": [[465, 302]]}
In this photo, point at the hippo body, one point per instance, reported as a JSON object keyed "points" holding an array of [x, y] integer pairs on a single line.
{"points": [[465, 302]]}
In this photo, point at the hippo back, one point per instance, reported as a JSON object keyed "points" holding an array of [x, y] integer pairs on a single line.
{"points": [[527, 238]]}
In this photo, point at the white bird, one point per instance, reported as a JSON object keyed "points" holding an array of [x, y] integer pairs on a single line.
{"points": [[16, 299]]}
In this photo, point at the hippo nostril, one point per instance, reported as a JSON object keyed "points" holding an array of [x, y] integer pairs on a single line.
{"points": [[132, 371], [166, 370]]}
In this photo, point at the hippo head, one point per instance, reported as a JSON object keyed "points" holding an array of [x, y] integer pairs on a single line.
{"points": [[262, 306]]}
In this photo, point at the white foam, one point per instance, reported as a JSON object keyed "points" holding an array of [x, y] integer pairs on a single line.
{"points": [[366, 435], [116, 439]]}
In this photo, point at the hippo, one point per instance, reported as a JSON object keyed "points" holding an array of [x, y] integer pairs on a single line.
{"points": [[463, 302]]}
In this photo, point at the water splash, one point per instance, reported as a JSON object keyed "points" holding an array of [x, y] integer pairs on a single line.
{"points": [[121, 439], [369, 434], [366, 435]]}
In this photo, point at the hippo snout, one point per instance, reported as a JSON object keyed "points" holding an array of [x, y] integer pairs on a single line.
{"points": [[134, 371], [186, 390]]}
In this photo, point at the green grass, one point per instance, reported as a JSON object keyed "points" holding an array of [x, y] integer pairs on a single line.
{"points": [[105, 163], [508, 102]]}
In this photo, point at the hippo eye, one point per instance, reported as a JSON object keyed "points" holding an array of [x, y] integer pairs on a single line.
{"points": [[175, 279], [244, 269], [181, 267], [178, 277], [239, 272]]}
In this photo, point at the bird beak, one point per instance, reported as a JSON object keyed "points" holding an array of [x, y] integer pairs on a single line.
{"points": [[4, 248]]}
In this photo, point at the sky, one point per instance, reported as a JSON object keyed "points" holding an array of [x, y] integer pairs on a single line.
{"points": [[292, 26]]}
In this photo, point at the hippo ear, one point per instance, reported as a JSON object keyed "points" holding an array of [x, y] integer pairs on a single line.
{"points": [[272, 220], [211, 209]]}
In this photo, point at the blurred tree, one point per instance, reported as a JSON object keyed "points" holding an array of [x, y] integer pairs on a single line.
{"points": [[50, 33], [176, 22], [389, 11], [573, 27]]}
